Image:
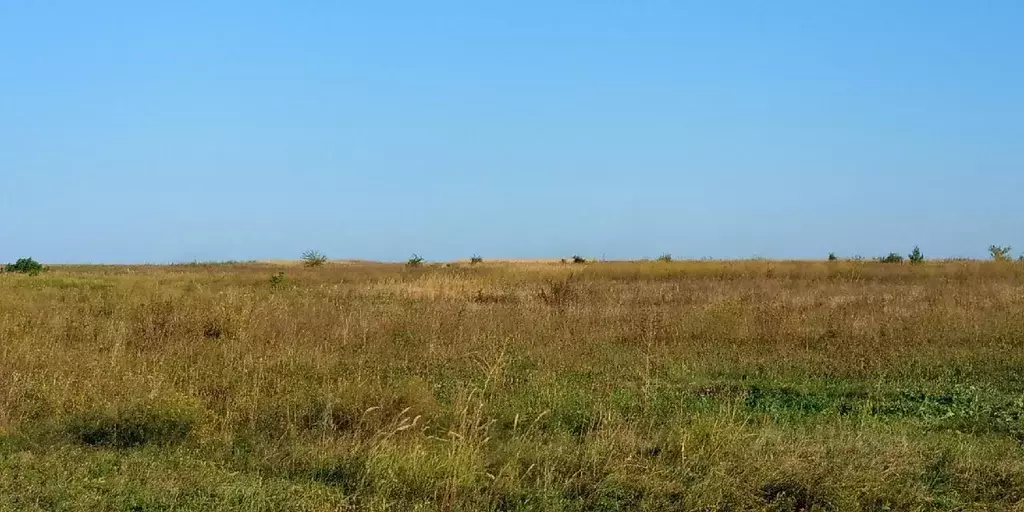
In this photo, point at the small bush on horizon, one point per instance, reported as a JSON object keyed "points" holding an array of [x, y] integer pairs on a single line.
{"points": [[832, 256], [576, 258], [916, 256], [476, 259], [891, 258], [415, 261], [313, 258], [25, 266], [666, 258], [1000, 253]]}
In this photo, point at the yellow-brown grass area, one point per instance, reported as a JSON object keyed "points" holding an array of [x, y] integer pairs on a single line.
{"points": [[754, 385]]}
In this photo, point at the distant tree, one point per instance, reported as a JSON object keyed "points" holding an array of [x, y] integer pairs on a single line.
{"points": [[313, 258], [666, 258], [25, 266], [476, 259], [578, 259], [1000, 253], [832, 256], [915, 256]]}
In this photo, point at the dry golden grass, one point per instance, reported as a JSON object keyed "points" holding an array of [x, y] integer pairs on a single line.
{"points": [[709, 385]]}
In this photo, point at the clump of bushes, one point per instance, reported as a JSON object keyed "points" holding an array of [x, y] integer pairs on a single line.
{"points": [[832, 256], [891, 258], [576, 258], [666, 258], [25, 266], [476, 259], [313, 258]]}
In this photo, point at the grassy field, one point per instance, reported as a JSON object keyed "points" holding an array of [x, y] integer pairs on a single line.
{"points": [[750, 385]]}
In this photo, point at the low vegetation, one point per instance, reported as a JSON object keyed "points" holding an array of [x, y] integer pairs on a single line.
{"points": [[313, 258], [277, 279], [1000, 253], [893, 257], [696, 385], [25, 266], [415, 261]]}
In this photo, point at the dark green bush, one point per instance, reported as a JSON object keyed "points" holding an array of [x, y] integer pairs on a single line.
{"points": [[916, 256], [891, 258], [25, 266], [476, 259]]}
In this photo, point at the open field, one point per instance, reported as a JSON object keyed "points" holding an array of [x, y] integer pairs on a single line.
{"points": [[751, 385]]}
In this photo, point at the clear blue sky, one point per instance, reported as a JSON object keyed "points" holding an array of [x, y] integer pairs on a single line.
{"points": [[178, 131]]}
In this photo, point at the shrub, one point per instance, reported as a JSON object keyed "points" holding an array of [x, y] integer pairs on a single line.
{"points": [[832, 256], [915, 256], [578, 259], [277, 280], [1000, 253], [25, 266], [314, 258], [415, 261], [891, 258], [667, 258], [476, 259]]}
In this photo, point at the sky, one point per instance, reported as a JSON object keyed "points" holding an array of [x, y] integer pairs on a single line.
{"points": [[229, 130]]}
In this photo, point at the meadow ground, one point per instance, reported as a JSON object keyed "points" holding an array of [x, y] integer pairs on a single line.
{"points": [[751, 385]]}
